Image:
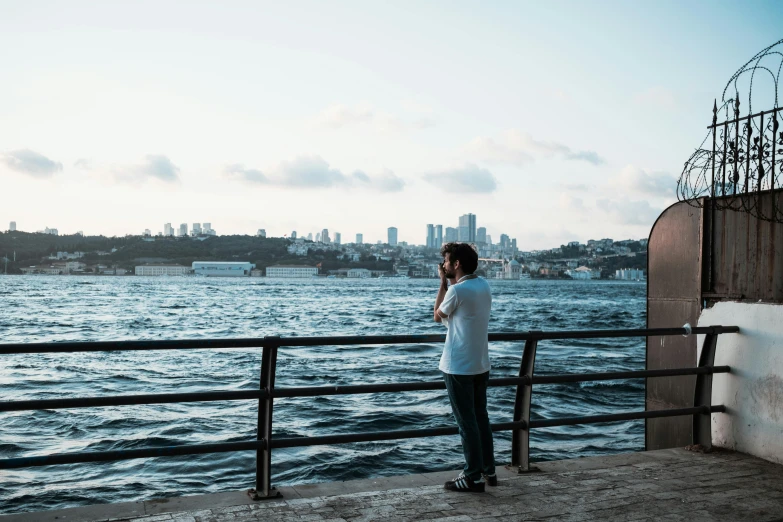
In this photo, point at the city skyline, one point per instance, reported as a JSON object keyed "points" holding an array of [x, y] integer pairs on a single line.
{"points": [[547, 126]]}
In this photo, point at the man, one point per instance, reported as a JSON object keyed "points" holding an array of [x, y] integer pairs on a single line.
{"points": [[464, 307]]}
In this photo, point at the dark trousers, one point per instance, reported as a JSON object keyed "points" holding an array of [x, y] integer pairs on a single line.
{"points": [[468, 396]]}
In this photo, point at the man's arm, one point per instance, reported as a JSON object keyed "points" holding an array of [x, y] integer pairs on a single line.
{"points": [[439, 316]]}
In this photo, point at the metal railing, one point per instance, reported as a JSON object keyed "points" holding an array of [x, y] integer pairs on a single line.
{"points": [[520, 425]]}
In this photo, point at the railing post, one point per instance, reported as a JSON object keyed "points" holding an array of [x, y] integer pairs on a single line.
{"points": [[702, 397], [520, 439], [264, 487]]}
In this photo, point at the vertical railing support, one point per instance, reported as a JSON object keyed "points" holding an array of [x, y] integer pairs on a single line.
{"points": [[702, 397], [520, 439], [264, 487]]}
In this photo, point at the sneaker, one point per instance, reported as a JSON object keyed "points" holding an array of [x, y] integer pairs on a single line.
{"points": [[465, 484], [491, 480]]}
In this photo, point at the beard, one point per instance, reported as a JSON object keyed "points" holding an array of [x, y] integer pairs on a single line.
{"points": [[450, 275]]}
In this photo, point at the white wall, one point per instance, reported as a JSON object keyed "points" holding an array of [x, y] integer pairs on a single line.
{"points": [[753, 391]]}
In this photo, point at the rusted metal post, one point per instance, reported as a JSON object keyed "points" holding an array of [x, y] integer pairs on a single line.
{"points": [[264, 487], [520, 439], [702, 397]]}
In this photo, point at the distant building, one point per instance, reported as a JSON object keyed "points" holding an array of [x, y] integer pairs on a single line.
{"points": [[291, 271], [293, 234], [183, 230], [481, 236], [337, 238], [208, 230], [438, 236], [467, 228], [392, 236], [325, 236], [358, 272], [629, 274], [261, 232], [430, 241], [222, 269], [52, 231], [451, 235], [162, 270], [168, 230], [12, 228], [583, 272], [505, 242], [310, 236], [196, 230], [359, 239], [147, 232]]}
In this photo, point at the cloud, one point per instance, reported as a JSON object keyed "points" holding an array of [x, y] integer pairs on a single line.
{"points": [[572, 203], [629, 212], [339, 115], [576, 187], [654, 184], [519, 148], [31, 163], [657, 97], [238, 171], [468, 178], [154, 166], [312, 171], [83, 164]]}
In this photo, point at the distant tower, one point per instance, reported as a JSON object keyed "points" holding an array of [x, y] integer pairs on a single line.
{"points": [[504, 241], [430, 243], [207, 228], [451, 235], [183, 230], [147, 232], [196, 230], [392, 236], [318, 237], [12, 228], [325, 236], [359, 239], [261, 232], [293, 234], [168, 230], [438, 236], [481, 236], [337, 238], [467, 228], [309, 236]]}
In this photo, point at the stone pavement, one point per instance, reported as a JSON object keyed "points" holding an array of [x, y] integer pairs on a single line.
{"points": [[659, 485]]}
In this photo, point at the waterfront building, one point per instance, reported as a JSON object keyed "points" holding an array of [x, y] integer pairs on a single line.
{"points": [[168, 230], [392, 236], [512, 269], [467, 228], [629, 274], [325, 236], [291, 271], [183, 230], [162, 270], [451, 235], [583, 272], [358, 272], [430, 242], [12, 228], [438, 236], [222, 268], [359, 239], [261, 232], [337, 238]]}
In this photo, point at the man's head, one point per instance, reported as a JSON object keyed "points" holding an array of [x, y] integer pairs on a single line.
{"points": [[458, 257]]}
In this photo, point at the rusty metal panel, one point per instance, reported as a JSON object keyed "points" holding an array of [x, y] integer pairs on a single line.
{"points": [[748, 252], [674, 280]]}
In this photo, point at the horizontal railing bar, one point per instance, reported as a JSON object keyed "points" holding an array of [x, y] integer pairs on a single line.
{"points": [[741, 118], [317, 391], [125, 400], [651, 414], [105, 456], [196, 449], [199, 344], [610, 376], [373, 436]]}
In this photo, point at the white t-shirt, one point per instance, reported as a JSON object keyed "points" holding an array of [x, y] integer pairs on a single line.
{"points": [[467, 303]]}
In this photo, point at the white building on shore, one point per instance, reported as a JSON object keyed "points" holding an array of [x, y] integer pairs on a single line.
{"points": [[162, 270], [222, 268], [583, 272], [629, 274], [291, 271]]}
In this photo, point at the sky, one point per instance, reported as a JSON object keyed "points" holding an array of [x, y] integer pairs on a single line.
{"points": [[551, 121]]}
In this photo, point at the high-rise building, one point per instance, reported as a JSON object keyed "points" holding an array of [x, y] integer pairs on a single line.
{"points": [[206, 228], [504, 241], [325, 236], [261, 232], [489, 239], [467, 228], [481, 236], [317, 237], [293, 234], [196, 230], [337, 238], [168, 230], [392, 236], [451, 235], [359, 239], [183, 230], [147, 232], [309, 236], [430, 243], [438, 236], [12, 228]]}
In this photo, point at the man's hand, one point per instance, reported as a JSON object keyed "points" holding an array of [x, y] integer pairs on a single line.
{"points": [[444, 285]]}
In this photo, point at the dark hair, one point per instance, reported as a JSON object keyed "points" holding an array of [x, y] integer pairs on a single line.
{"points": [[462, 252]]}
